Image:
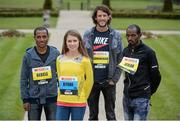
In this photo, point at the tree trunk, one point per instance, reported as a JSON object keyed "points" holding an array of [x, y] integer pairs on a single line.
{"points": [[107, 3], [168, 6], [47, 4]]}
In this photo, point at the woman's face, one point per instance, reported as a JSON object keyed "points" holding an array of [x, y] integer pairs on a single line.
{"points": [[72, 43]]}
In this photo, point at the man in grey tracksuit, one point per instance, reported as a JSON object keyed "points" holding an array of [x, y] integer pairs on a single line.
{"points": [[38, 82]]}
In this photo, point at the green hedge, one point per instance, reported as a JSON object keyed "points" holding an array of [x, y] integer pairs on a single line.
{"points": [[141, 13], [130, 13], [146, 15]]}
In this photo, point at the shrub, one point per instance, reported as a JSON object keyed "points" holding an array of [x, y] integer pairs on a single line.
{"points": [[12, 33], [22, 12]]}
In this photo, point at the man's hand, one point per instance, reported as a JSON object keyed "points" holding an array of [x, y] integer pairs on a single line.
{"points": [[111, 82], [26, 106]]}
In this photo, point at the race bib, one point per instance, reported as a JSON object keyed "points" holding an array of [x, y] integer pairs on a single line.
{"points": [[42, 73], [129, 65], [101, 57], [68, 85]]}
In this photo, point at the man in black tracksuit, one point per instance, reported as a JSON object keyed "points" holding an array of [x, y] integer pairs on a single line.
{"points": [[141, 82]]}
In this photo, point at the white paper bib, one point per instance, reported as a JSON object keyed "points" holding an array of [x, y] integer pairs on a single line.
{"points": [[129, 65]]}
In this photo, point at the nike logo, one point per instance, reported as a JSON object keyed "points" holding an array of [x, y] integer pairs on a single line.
{"points": [[95, 47], [100, 40]]}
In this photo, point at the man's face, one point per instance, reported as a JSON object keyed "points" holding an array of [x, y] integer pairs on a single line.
{"points": [[132, 36], [102, 18], [41, 38]]}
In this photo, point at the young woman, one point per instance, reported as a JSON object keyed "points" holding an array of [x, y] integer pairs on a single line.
{"points": [[75, 78]]}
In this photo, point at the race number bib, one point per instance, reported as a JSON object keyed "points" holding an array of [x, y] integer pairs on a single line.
{"points": [[68, 85], [129, 65], [42, 73], [101, 57]]}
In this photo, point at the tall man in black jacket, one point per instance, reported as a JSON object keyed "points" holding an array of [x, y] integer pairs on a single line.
{"points": [[142, 76]]}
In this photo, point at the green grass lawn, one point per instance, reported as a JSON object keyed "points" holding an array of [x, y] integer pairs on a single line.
{"points": [[135, 4], [146, 24], [166, 101], [11, 53], [119, 4], [24, 22], [123, 4], [75, 4], [25, 3]]}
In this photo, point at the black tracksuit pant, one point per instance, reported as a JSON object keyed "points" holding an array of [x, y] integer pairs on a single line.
{"points": [[109, 93]]}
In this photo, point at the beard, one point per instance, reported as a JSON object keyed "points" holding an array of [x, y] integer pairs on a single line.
{"points": [[133, 43], [102, 25], [42, 44]]}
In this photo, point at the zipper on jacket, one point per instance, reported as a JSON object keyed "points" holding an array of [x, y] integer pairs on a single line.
{"points": [[129, 84], [129, 80], [132, 51]]}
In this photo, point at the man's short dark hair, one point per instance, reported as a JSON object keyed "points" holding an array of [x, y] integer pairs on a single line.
{"points": [[40, 29], [132, 26], [104, 9]]}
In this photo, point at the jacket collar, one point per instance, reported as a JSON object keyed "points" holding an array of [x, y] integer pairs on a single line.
{"points": [[35, 56], [109, 28], [137, 47]]}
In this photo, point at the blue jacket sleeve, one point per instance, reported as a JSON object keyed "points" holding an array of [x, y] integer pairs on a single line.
{"points": [[24, 80], [119, 51]]}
